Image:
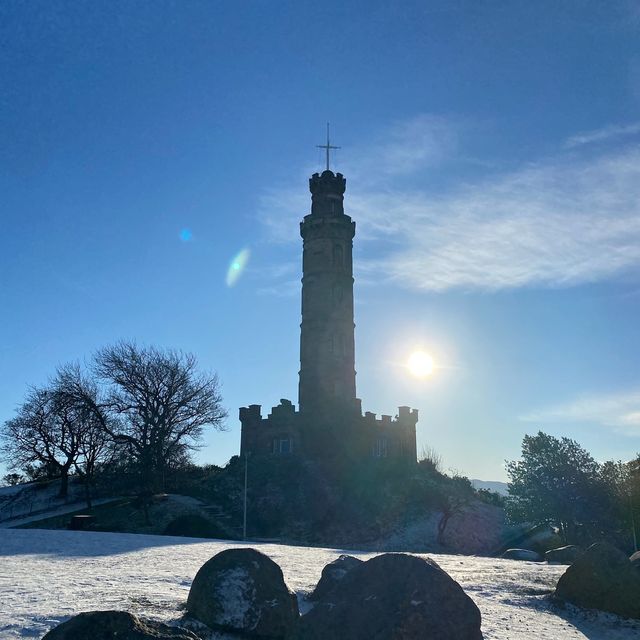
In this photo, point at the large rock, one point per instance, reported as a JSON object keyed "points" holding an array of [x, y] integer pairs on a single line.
{"points": [[332, 574], [635, 560], [522, 554], [115, 625], [602, 578], [393, 597], [563, 555], [243, 590]]}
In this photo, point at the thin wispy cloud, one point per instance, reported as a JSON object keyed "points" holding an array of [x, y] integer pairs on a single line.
{"points": [[564, 221], [405, 147], [617, 411], [284, 277], [606, 134], [280, 212], [555, 225], [283, 289]]}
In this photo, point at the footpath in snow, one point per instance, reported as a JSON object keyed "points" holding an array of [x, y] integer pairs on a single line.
{"points": [[25, 503], [48, 576]]}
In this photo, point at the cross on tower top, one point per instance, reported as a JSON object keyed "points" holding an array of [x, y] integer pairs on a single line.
{"points": [[327, 146]]}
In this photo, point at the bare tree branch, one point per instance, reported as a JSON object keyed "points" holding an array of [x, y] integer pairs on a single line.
{"points": [[160, 402]]}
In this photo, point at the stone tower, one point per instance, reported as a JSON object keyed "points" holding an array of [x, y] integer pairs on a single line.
{"points": [[327, 346], [329, 420]]}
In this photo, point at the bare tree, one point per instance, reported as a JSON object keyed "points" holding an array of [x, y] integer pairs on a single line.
{"points": [[429, 457], [160, 404], [46, 431], [74, 388], [454, 496]]}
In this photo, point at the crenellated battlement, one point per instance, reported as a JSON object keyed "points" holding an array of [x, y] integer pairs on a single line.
{"points": [[282, 431], [391, 437], [406, 418], [250, 413], [253, 413], [285, 409], [277, 433], [327, 182]]}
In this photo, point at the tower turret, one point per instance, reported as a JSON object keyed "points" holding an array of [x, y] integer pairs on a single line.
{"points": [[327, 193]]}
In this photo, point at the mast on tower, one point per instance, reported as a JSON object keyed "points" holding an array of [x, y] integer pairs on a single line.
{"points": [[327, 147]]}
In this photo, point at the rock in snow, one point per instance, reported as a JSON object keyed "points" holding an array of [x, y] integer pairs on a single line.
{"points": [[115, 625], [602, 578], [522, 554], [332, 574], [395, 597], [563, 555], [243, 590]]}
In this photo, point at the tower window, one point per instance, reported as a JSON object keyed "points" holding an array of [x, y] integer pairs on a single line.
{"points": [[282, 445], [380, 448]]}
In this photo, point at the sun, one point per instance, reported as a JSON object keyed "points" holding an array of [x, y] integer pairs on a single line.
{"points": [[420, 364]]}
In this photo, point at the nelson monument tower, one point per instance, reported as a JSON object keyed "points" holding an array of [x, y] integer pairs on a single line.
{"points": [[329, 419]]}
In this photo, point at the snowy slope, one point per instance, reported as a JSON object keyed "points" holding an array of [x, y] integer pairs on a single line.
{"points": [[11, 490], [47, 576], [24, 500]]}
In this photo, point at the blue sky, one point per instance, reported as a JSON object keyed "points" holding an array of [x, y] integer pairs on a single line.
{"points": [[492, 157]]}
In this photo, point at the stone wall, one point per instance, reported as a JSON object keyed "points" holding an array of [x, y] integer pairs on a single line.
{"points": [[286, 431]]}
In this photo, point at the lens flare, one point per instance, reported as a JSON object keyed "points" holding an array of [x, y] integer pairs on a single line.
{"points": [[185, 235], [420, 364], [237, 266]]}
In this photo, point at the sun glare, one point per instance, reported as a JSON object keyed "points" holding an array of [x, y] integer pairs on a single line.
{"points": [[236, 267], [420, 364]]}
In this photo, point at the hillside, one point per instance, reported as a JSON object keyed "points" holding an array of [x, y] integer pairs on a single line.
{"points": [[373, 507], [501, 488], [48, 576]]}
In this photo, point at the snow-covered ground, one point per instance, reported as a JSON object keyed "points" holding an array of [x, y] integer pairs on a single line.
{"points": [[26, 500], [70, 507], [11, 490], [48, 576]]}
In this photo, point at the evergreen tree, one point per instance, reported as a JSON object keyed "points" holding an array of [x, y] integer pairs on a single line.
{"points": [[559, 483]]}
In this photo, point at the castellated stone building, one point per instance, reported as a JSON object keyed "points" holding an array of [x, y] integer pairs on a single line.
{"points": [[329, 419]]}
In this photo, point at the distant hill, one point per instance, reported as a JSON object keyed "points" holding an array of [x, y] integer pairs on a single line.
{"points": [[491, 485]]}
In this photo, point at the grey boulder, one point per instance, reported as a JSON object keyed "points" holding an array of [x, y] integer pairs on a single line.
{"points": [[602, 578], [243, 590], [393, 597], [332, 574], [563, 555], [115, 625]]}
